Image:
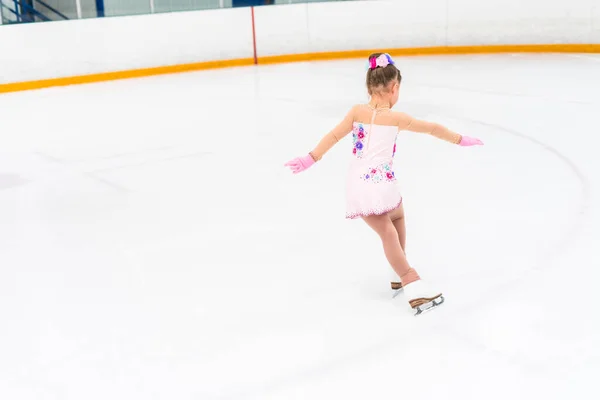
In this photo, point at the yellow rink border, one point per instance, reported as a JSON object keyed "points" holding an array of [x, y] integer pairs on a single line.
{"points": [[417, 51]]}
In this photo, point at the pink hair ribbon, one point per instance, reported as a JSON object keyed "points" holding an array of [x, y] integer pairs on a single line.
{"points": [[382, 61]]}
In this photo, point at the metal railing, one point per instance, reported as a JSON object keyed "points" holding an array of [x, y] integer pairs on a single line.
{"points": [[19, 11], [23, 11]]}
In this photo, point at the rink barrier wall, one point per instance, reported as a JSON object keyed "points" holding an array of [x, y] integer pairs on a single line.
{"points": [[127, 74], [423, 51], [103, 49]]}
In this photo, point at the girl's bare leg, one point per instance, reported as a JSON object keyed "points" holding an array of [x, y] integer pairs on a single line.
{"points": [[397, 217], [384, 227]]}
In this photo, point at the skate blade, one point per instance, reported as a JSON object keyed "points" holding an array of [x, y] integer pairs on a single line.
{"points": [[397, 287], [429, 305]]}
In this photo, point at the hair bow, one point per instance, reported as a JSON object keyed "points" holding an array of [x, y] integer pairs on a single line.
{"points": [[382, 61]]}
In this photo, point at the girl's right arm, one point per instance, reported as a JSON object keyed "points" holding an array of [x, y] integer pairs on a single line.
{"points": [[344, 127]]}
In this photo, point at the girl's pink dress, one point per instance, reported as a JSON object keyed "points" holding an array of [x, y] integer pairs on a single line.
{"points": [[371, 185]]}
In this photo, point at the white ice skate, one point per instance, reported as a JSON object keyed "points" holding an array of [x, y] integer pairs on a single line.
{"points": [[395, 283], [422, 298], [396, 287]]}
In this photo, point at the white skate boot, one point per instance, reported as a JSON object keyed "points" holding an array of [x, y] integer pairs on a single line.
{"points": [[422, 298], [395, 283], [396, 288]]}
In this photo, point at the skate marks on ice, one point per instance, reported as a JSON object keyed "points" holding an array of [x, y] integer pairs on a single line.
{"points": [[8, 181], [549, 251], [567, 239]]}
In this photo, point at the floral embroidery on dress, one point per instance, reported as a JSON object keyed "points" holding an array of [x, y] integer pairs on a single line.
{"points": [[358, 136], [381, 173]]}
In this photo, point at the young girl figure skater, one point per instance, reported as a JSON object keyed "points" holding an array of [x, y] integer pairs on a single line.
{"points": [[372, 191]]}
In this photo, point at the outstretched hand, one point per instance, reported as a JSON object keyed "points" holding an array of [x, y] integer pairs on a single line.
{"points": [[300, 164], [469, 141]]}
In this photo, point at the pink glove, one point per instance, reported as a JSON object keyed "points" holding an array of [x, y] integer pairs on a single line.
{"points": [[469, 141], [300, 164]]}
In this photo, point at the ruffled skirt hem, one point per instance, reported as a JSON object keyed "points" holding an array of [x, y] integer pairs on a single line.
{"points": [[365, 213]]}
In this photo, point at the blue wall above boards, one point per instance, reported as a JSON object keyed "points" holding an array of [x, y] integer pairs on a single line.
{"points": [[100, 8], [250, 3]]}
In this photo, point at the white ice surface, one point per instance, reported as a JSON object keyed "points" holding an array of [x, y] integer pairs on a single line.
{"points": [[152, 246]]}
